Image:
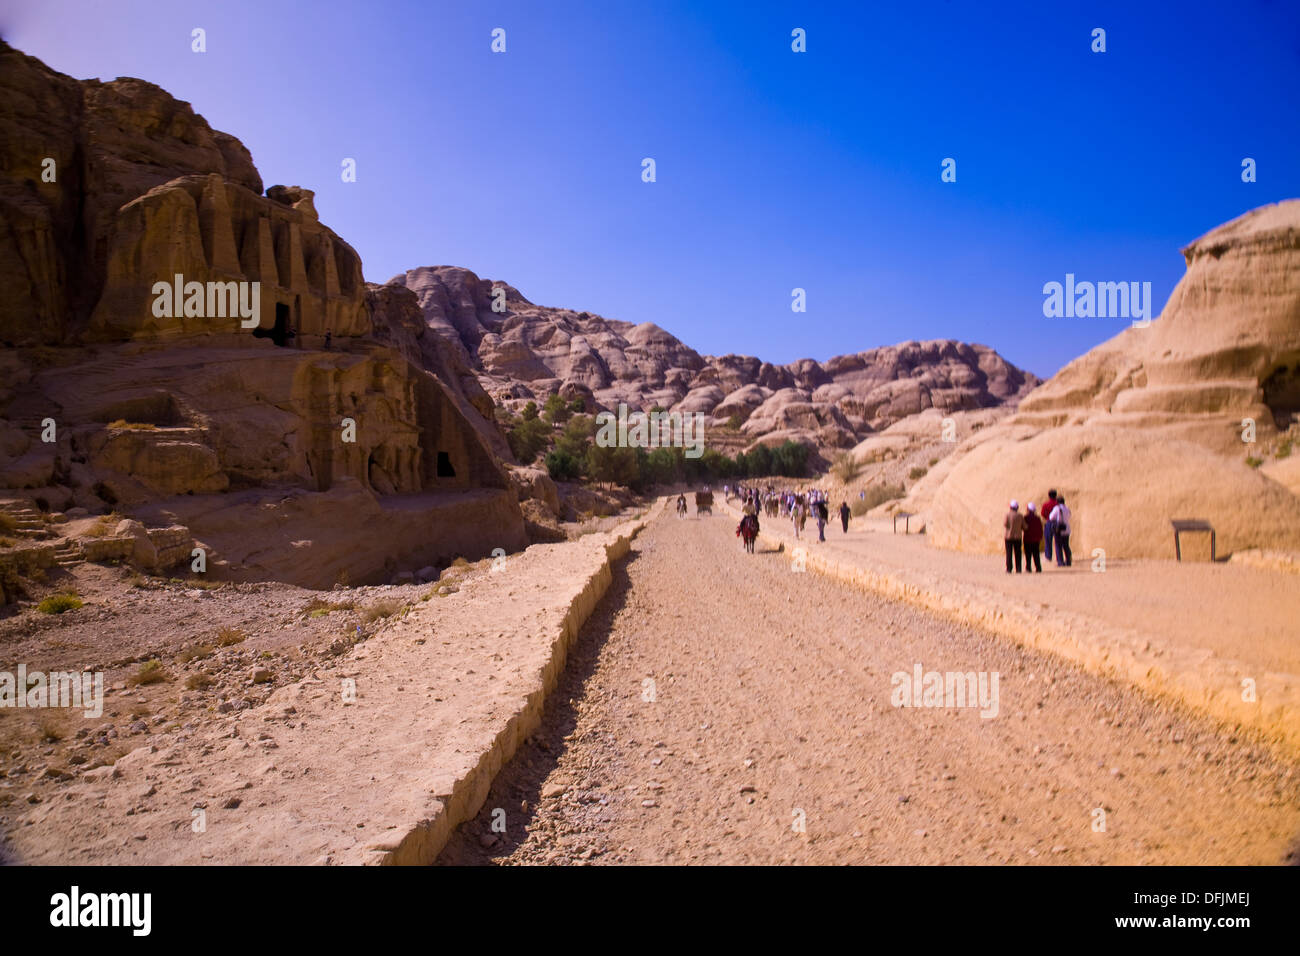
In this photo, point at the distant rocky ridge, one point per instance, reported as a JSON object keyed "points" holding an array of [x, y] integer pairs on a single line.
{"points": [[530, 351]]}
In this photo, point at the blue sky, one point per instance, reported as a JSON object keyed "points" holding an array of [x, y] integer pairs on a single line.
{"points": [[775, 169]]}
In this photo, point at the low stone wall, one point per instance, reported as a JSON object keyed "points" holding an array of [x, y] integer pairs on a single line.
{"points": [[22, 561], [173, 545], [424, 839], [107, 549]]}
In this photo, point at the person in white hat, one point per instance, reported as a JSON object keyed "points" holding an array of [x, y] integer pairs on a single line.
{"points": [[1013, 527]]}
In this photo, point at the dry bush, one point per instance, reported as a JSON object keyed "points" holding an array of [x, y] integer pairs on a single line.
{"points": [[230, 635], [878, 495], [381, 609], [195, 653], [846, 467], [135, 426], [103, 527], [200, 681], [58, 603], [150, 672], [50, 729]]}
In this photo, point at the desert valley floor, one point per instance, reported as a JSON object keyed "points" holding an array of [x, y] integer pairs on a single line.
{"points": [[769, 736], [772, 695]]}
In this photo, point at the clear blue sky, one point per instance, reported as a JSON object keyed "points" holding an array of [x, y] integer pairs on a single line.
{"points": [[818, 170]]}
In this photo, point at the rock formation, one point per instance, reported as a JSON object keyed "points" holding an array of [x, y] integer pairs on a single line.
{"points": [[1150, 426], [523, 351], [337, 410]]}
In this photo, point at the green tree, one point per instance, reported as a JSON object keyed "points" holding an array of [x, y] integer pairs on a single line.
{"points": [[528, 438], [661, 467], [556, 411], [790, 459], [615, 465], [562, 466]]}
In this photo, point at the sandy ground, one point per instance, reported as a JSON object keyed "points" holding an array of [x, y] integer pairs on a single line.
{"points": [[772, 709], [1238, 612], [285, 769]]}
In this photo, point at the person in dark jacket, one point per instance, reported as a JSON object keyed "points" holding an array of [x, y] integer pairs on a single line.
{"points": [[844, 515], [1033, 540]]}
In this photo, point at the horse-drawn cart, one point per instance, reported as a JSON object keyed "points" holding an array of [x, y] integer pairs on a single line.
{"points": [[704, 502]]}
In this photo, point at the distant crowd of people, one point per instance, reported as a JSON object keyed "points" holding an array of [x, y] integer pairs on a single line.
{"points": [[798, 506], [1047, 528]]}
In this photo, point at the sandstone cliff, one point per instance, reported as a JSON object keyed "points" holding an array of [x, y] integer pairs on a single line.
{"points": [[111, 399], [1149, 426]]}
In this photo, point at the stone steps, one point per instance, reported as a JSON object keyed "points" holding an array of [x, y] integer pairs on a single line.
{"points": [[30, 523], [67, 553]]}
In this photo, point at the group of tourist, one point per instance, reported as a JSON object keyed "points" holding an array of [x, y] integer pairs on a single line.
{"points": [[798, 506], [1047, 528]]}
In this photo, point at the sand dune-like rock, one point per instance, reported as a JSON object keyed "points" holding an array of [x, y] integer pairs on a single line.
{"points": [[1149, 426]]}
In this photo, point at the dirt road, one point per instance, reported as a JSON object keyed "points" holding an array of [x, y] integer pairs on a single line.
{"points": [[768, 735]]}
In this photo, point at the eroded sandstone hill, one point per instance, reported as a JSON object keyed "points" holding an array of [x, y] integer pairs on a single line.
{"points": [[529, 351], [1192, 416], [339, 439]]}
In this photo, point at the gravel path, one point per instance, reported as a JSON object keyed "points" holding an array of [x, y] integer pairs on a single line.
{"points": [[771, 738]]}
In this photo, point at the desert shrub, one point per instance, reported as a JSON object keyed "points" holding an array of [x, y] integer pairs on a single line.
{"points": [[933, 462], [1253, 462], [103, 526], [49, 729], [917, 473], [150, 672], [58, 603], [879, 494], [196, 652], [230, 635], [200, 681], [1284, 449], [381, 609], [845, 467], [136, 426], [858, 508], [8, 523]]}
